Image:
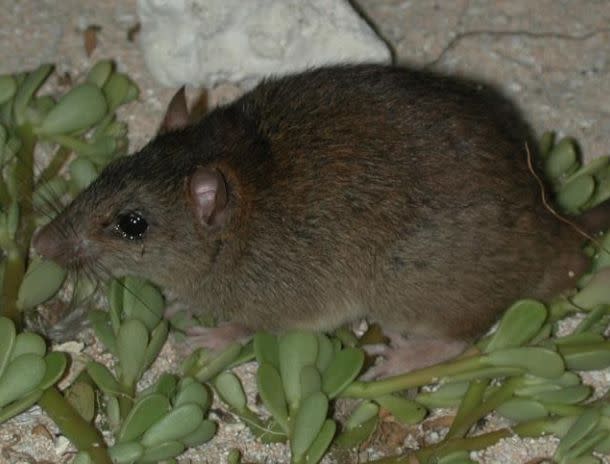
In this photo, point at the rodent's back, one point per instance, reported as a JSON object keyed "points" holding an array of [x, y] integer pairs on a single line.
{"points": [[393, 193], [319, 198]]}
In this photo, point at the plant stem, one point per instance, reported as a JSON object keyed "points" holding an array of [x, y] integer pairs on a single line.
{"points": [[59, 159], [560, 308], [560, 409], [17, 254], [479, 411], [427, 455], [471, 400], [5, 197], [25, 183], [412, 379], [126, 399], [13, 276], [83, 435]]}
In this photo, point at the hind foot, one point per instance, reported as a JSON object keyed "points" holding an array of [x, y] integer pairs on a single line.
{"points": [[404, 355], [217, 338]]}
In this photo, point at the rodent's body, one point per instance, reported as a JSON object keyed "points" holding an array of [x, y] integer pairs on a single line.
{"points": [[353, 192]]}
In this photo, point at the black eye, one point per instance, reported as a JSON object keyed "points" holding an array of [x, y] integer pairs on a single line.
{"points": [[131, 226]]}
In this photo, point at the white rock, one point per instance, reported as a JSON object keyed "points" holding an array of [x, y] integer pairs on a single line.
{"points": [[202, 42]]}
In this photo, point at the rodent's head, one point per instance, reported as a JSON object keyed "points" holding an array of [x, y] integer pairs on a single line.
{"points": [[156, 214], [132, 220]]}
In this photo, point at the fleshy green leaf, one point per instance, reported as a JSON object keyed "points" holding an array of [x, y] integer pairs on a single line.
{"points": [[79, 109], [22, 375], [8, 86], [538, 361], [143, 301], [194, 392], [520, 324], [218, 363], [311, 381], [27, 89], [132, 342], [202, 434], [125, 453], [574, 195], [17, 407], [342, 370], [115, 299], [297, 350], [234, 456], [147, 411], [350, 438], [325, 353], [100, 72], [485, 373], [588, 357], [561, 160], [42, 281], [100, 321], [308, 422], [577, 454], [158, 337], [82, 173], [546, 143], [603, 447], [230, 390], [271, 391], [29, 342], [168, 384], [115, 90], [363, 413], [316, 451], [596, 292], [161, 452], [446, 396], [8, 336], [103, 378], [266, 349], [406, 411], [82, 398], [579, 430], [522, 410], [175, 425], [56, 363], [113, 411], [82, 458], [567, 395]]}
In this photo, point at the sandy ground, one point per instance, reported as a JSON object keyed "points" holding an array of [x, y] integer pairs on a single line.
{"points": [[551, 56]]}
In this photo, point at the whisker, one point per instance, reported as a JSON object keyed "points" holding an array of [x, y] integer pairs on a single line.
{"points": [[72, 304], [51, 204], [125, 288]]}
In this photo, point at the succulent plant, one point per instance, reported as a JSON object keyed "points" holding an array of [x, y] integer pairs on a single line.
{"points": [[160, 426], [26, 369], [82, 122], [523, 370], [576, 187]]}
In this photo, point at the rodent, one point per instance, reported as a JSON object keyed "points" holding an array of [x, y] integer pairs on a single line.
{"points": [[339, 193]]}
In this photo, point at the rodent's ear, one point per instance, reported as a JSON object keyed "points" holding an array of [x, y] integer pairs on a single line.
{"points": [[207, 190], [177, 115]]}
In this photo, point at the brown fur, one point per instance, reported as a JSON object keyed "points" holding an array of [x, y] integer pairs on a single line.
{"points": [[354, 191]]}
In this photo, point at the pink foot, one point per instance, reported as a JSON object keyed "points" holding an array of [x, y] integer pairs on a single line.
{"points": [[405, 355], [217, 338]]}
